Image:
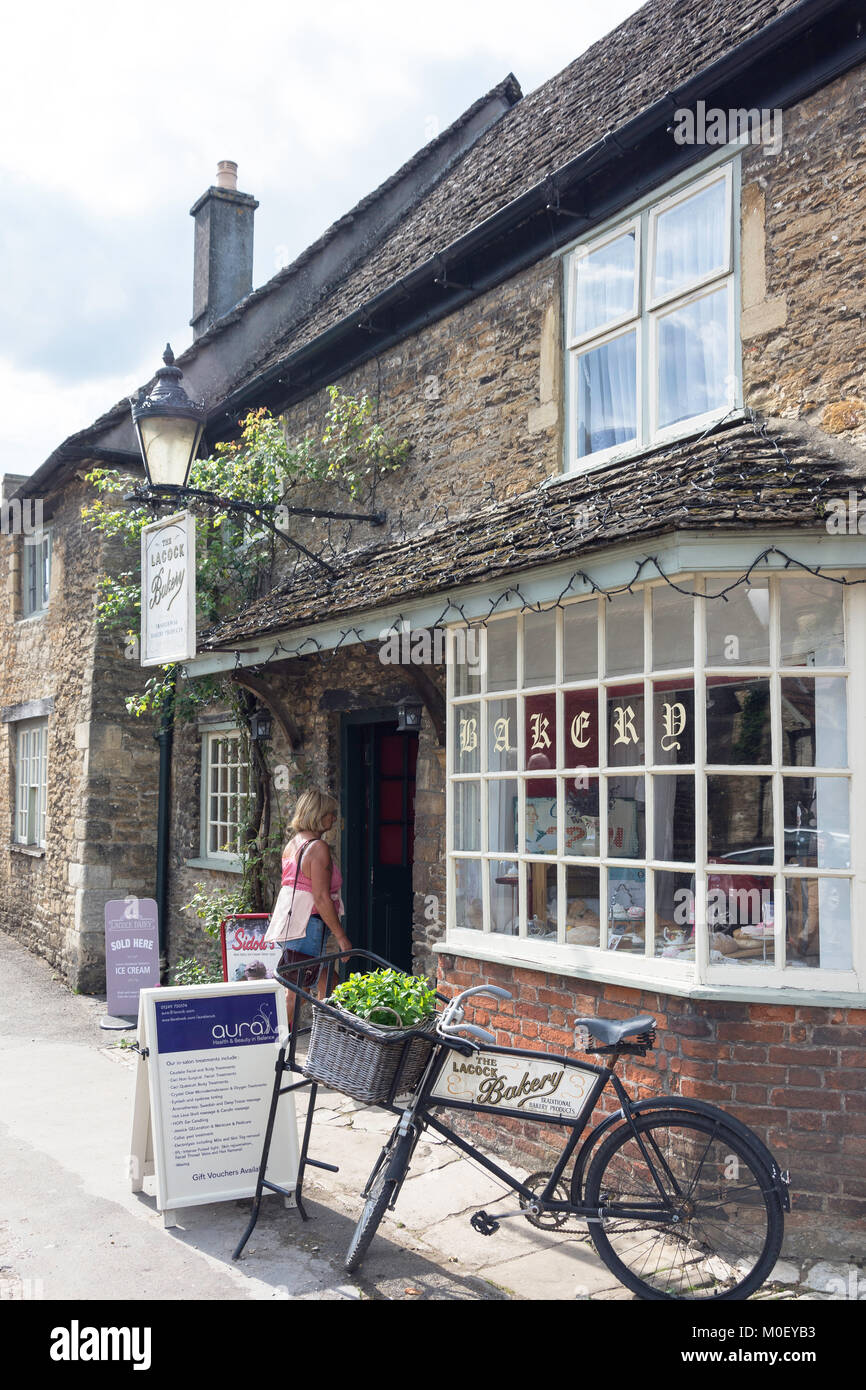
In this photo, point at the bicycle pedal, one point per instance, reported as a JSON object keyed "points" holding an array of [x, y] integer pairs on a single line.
{"points": [[485, 1225]]}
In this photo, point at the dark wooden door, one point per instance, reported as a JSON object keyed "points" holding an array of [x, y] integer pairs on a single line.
{"points": [[379, 816]]}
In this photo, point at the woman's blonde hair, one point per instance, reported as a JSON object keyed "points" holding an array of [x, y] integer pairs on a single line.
{"points": [[312, 808]]}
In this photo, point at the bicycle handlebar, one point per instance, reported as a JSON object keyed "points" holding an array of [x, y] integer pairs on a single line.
{"points": [[451, 1020]]}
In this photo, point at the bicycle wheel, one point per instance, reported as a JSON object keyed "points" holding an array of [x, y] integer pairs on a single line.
{"points": [[389, 1173], [730, 1229]]}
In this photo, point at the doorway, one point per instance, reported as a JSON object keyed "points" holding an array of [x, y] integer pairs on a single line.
{"points": [[378, 802]]}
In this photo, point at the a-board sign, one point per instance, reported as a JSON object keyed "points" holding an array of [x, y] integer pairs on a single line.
{"points": [[203, 1093], [131, 953], [246, 954], [168, 590]]}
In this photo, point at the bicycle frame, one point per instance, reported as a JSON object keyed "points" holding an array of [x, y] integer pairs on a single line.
{"points": [[417, 1115]]}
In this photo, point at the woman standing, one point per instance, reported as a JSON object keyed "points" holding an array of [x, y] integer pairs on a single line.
{"points": [[309, 902]]}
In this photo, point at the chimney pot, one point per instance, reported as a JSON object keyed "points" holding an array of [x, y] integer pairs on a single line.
{"points": [[227, 174]]}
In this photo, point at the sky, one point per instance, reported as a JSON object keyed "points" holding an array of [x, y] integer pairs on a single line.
{"points": [[115, 117]]}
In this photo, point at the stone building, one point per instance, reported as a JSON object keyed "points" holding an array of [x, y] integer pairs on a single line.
{"points": [[621, 322]]}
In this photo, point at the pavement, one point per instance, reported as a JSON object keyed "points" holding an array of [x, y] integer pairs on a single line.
{"points": [[71, 1228]]}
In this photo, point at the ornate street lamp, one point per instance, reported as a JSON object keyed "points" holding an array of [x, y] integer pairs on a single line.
{"points": [[261, 725], [169, 428]]}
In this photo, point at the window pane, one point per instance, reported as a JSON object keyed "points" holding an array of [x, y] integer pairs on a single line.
{"points": [[580, 640], [539, 648], [605, 285], [466, 654], [542, 896], [502, 817], [816, 822], [741, 914], [502, 736], [674, 819], [582, 927], [624, 634], [626, 818], [818, 923], [813, 632], [626, 910], [540, 814], [693, 359], [581, 817], [581, 728], [606, 395], [738, 629], [502, 654], [468, 908], [625, 726], [673, 629], [675, 914], [674, 722], [504, 898], [691, 240], [540, 733], [467, 736], [740, 819], [738, 721], [467, 815], [814, 722]]}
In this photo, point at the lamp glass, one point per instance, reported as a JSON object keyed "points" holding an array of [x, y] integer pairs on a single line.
{"points": [[168, 443]]}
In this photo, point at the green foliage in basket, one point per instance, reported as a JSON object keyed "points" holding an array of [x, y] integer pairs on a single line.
{"points": [[410, 996]]}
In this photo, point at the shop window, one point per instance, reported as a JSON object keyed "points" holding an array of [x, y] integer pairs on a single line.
{"points": [[650, 322], [690, 809]]}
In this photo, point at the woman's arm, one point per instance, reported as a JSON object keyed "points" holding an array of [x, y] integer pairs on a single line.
{"points": [[317, 863]]}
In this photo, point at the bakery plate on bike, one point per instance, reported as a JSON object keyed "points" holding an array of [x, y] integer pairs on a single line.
{"points": [[514, 1083]]}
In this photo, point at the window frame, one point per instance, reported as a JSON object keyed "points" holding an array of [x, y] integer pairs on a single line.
{"points": [[648, 310], [225, 860], [32, 556], [25, 833], [589, 961]]}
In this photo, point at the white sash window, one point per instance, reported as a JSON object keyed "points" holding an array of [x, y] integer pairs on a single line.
{"points": [[31, 778]]}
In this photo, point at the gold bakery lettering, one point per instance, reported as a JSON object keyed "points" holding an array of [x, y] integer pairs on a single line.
{"points": [[674, 720], [502, 742], [494, 1090], [468, 735], [540, 725], [578, 724], [623, 722]]}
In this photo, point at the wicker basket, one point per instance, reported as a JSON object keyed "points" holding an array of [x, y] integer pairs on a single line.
{"points": [[369, 1062]]}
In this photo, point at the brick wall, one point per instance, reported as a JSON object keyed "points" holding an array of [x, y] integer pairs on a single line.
{"points": [[795, 1075]]}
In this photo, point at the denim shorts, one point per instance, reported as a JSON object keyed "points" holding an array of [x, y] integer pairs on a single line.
{"points": [[312, 943]]}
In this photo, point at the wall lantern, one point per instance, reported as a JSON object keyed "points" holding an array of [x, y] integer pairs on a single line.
{"points": [[169, 427], [261, 726], [409, 713]]}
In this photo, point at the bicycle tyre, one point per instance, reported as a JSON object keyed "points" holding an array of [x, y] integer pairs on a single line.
{"points": [[730, 1237], [390, 1172]]}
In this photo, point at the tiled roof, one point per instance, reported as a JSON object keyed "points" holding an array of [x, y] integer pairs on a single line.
{"points": [[738, 478]]}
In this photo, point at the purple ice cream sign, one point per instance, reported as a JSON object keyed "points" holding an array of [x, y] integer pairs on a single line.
{"points": [[131, 953]]}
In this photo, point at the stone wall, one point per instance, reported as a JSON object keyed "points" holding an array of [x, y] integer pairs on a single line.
{"points": [[100, 826]]}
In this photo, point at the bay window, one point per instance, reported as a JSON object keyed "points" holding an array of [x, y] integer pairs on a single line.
{"points": [[660, 780], [650, 318]]}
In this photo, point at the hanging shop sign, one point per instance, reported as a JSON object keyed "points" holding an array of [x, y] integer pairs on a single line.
{"points": [[131, 953], [246, 954], [203, 1094], [168, 590]]}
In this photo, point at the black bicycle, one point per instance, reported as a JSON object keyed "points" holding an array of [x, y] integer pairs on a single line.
{"points": [[682, 1201]]}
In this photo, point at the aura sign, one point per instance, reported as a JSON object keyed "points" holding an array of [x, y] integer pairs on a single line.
{"points": [[168, 590], [203, 1093]]}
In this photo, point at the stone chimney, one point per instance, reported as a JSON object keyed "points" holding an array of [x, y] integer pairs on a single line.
{"points": [[223, 266]]}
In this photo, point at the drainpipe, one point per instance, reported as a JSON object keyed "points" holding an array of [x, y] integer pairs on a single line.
{"points": [[165, 739]]}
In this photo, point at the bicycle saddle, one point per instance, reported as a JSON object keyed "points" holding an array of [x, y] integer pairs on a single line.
{"points": [[611, 1031]]}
